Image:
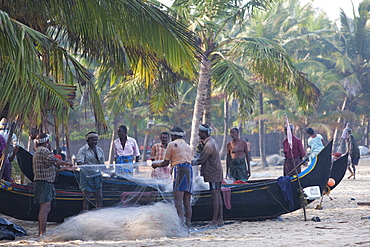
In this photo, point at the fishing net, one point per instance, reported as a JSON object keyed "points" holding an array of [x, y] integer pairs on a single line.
{"points": [[145, 208], [137, 188], [121, 223]]}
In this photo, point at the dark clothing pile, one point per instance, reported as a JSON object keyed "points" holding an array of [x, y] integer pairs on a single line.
{"points": [[9, 230]]}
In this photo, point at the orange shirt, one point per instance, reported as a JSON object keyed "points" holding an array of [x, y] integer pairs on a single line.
{"points": [[178, 152]]}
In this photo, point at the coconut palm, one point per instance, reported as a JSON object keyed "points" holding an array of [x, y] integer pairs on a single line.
{"points": [[217, 25], [349, 56], [132, 38]]}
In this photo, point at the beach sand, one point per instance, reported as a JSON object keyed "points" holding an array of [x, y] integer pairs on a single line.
{"points": [[343, 223]]}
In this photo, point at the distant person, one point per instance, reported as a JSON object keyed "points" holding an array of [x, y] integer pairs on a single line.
{"points": [[180, 155], [12, 149], [64, 150], [56, 155], [5, 175], [126, 149], [237, 159], [315, 142], [353, 151], [60, 152], [292, 156], [45, 170], [91, 179], [249, 146], [211, 170], [157, 154]]}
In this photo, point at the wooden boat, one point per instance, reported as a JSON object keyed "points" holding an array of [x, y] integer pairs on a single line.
{"points": [[257, 200]]}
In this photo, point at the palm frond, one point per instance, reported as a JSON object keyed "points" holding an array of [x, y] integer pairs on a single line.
{"points": [[273, 66]]}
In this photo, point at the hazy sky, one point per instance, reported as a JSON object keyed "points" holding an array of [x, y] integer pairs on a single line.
{"points": [[332, 7]]}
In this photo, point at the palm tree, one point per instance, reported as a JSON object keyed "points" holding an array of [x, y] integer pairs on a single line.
{"points": [[131, 38], [352, 60], [212, 20]]}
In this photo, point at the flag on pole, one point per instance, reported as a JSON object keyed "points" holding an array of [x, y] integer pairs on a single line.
{"points": [[289, 134], [345, 132]]}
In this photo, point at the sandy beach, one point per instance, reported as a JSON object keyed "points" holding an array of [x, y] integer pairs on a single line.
{"points": [[343, 223]]}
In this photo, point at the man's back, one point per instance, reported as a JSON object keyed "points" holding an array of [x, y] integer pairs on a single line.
{"points": [[178, 151]]}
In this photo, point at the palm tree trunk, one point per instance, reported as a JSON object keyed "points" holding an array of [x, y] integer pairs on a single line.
{"points": [[146, 139], [336, 132], [207, 106], [69, 156], [57, 137], [111, 147], [262, 133], [367, 134], [226, 127], [200, 100], [240, 124]]}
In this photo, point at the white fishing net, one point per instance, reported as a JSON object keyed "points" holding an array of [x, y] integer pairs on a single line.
{"points": [[145, 210], [121, 223]]}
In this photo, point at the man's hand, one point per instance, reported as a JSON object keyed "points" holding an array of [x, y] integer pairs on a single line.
{"points": [[68, 167]]}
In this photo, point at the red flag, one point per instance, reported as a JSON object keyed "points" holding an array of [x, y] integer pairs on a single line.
{"points": [[289, 135]]}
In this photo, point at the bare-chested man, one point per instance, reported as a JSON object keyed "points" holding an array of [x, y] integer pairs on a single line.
{"points": [[237, 157]]}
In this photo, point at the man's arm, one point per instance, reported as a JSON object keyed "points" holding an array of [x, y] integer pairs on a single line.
{"points": [[205, 154], [301, 151], [247, 158], [228, 158], [65, 165], [162, 164], [153, 153]]}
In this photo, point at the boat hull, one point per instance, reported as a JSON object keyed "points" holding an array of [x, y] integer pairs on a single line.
{"points": [[257, 200]]}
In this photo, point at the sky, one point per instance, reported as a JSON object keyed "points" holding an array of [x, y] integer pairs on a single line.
{"points": [[332, 7]]}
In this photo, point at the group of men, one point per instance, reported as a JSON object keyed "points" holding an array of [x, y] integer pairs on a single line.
{"points": [[174, 157], [168, 157], [180, 157]]}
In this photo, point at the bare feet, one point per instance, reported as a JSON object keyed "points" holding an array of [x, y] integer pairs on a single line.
{"points": [[220, 222], [352, 175], [212, 224]]}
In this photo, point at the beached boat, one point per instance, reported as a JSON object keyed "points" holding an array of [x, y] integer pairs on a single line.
{"points": [[256, 200]]}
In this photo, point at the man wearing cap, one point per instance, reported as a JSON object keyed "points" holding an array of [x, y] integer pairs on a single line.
{"points": [[353, 151], [12, 150], [211, 170], [90, 156], [180, 155], [45, 169], [294, 155]]}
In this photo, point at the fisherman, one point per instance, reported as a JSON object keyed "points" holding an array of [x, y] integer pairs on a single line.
{"points": [[179, 154], [353, 151], [157, 154], [315, 142], [291, 162], [91, 179], [126, 149], [45, 170], [12, 149], [237, 157], [211, 170]]}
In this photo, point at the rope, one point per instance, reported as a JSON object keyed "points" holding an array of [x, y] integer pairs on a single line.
{"points": [[273, 196]]}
